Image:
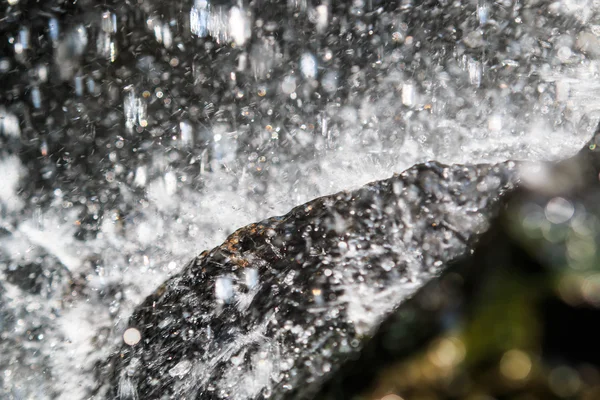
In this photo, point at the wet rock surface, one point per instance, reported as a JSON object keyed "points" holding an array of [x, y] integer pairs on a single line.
{"points": [[514, 320], [273, 311]]}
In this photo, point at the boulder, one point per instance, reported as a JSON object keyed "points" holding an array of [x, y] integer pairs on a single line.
{"points": [[281, 304]]}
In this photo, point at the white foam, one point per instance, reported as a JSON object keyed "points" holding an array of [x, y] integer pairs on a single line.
{"points": [[11, 170]]}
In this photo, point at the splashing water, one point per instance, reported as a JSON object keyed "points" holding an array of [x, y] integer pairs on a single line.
{"points": [[134, 136]]}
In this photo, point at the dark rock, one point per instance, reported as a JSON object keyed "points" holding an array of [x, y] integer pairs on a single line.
{"points": [[282, 303], [517, 319]]}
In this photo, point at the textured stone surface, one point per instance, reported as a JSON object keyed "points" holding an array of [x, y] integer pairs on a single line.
{"points": [[282, 303], [517, 319]]}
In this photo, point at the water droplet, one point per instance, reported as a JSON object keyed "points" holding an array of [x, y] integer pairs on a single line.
{"points": [[4, 65], [475, 71], [132, 336], [78, 85], [251, 276], [53, 29], [224, 289], [318, 296], [109, 22], [288, 85], [141, 176], [135, 110], [239, 26], [408, 94], [329, 81], [170, 183], [308, 66], [91, 86], [474, 39], [36, 97], [181, 369], [321, 18], [515, 365], [387, 264], [9, 124], [495, 123], [563, 53], [559, 210], [289, 278], [167, 36], [186, 133], [24, 38], [199, 18]]}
